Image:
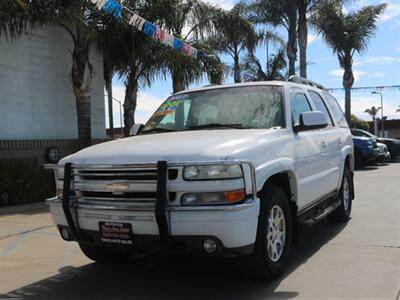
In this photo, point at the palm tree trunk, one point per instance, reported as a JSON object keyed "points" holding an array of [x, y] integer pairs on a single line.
{"points": [[81, 78], [292, 37], [236, 69], [303, 37], [178, 82], [131, 91], [108, 83], [348, 81]]}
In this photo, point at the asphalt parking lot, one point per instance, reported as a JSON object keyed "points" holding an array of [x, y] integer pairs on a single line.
{"points": [[358, 260]]}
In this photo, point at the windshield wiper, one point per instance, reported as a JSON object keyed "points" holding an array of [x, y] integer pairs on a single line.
{"points": [[158, 129], [217, 125]]}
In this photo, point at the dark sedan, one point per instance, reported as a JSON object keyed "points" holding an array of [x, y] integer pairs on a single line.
{"points": [[392, 144]]}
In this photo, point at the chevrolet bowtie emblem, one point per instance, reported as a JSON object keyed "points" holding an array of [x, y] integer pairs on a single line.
{"points": [[117, 187]]}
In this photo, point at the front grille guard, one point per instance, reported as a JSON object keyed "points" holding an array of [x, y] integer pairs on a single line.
{"points": [[161, 208]]}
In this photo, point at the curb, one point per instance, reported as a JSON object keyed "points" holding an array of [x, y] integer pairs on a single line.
{"points": [[31, 207]]}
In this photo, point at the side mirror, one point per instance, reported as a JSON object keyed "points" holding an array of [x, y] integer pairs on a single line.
{"points": [[311, 120], [136, 128]]}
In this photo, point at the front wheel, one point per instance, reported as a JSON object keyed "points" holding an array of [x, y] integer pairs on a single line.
{"points": [[342, 213], [274, 234]]}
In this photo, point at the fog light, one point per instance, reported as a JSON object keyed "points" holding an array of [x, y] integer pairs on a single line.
{"points": [[65, 234], [209, 246]]}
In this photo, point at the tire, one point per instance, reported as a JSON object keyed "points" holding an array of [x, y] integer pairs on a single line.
{"points": [[265, 262], [343, 212], [358, 161], [103, 255]]}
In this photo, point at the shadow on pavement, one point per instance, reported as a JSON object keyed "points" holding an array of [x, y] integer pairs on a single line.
{"points": [[175, 278]]}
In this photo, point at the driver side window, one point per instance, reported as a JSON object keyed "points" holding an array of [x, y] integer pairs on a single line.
{"points": [[299, 104]]}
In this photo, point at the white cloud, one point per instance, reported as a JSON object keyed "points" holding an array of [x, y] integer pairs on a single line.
{"points": [[338, 73], [377, 60], [224, 4], [360, 103], [146, 105], [312, 38], [377, 74], [392, 11]]}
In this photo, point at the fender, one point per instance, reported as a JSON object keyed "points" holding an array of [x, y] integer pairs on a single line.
{"points": [[272, 167]]}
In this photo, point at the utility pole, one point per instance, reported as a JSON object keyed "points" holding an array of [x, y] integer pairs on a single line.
{"points": [[382, 127]]}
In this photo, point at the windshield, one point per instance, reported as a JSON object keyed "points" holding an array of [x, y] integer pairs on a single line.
{"points": [[239, 108]]}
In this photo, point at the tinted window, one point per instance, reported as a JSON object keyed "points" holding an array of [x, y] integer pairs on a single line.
{"points": [[336, 110], [320, 106], [299, 105]]}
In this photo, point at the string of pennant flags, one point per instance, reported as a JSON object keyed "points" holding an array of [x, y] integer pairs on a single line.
{"points": [[391, 88], [117, 10]]}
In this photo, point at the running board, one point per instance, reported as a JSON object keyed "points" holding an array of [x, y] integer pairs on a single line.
{"points": [[322, 213]]}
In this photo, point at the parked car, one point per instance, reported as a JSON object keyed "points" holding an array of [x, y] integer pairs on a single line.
{"points": [[216, 171], [393, 145], [384, 153], [365, 150]]}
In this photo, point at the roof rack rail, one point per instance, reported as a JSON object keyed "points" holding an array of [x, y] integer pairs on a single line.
{"points": [[301, 80]]}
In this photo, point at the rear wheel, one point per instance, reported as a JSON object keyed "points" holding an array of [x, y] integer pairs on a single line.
{"points": [[342, 213], [274, 235], [103, 255]]}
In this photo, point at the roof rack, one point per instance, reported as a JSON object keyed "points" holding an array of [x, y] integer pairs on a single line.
{"points": [[301, 80]]}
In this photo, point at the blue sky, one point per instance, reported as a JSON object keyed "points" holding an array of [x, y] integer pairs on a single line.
{"points": [[379, 66]]}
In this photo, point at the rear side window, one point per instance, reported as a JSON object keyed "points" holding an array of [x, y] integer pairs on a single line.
{"points": [[336, 110], [300, 104], [321, 106]]}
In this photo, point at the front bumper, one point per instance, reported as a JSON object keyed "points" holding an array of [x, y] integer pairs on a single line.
{"points": [[370, 154], [234, 228]]}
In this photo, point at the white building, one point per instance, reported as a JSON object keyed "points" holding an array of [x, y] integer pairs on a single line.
{"points": [[37, 104]]}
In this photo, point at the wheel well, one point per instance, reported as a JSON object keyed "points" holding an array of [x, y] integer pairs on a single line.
{"points": [[285, 180], [349, 163]]}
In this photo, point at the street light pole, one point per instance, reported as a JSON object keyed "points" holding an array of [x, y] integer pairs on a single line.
{"points": [[120, 113], [382, 128]]}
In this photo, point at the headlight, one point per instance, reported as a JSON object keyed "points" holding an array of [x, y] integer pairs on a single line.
{"points": [[217, 198], [210, 172]]}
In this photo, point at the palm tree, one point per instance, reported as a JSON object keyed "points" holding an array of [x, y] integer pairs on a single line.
{"points": [[234, 34], [79, 19], [373, 111], [17, 15], [191, 21], [306, 8], [347, 34], [279, 13], [275, 68]]}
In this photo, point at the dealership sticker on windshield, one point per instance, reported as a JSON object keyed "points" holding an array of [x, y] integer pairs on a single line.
{"points": [[168, 107]]}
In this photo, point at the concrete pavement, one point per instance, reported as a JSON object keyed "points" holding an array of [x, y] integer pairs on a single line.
{"points": [[357, 260]]}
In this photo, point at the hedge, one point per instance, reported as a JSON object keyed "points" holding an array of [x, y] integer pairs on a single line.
{"points": [[24, 181]]}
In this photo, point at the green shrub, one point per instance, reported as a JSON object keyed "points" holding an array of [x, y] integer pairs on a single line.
{"points": [[358, 123], [23, 181]]}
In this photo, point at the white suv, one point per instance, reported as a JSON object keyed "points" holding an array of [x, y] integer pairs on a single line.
{"points": [[217, 171]]}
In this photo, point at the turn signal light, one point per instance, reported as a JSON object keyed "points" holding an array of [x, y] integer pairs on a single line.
{"points": [[234, 196]]}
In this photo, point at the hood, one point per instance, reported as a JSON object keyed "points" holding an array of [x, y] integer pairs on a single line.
{"points": [[388, 140], [203, 145], [362, 138]]}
